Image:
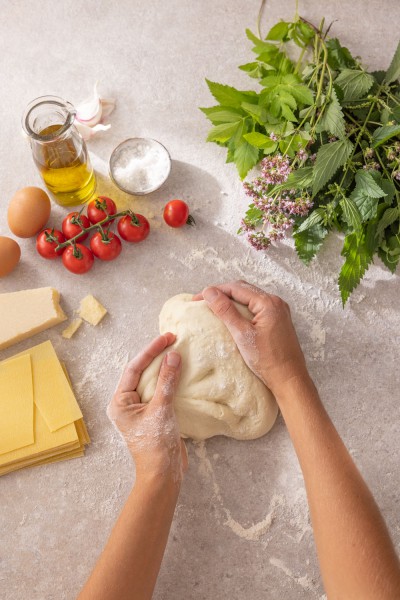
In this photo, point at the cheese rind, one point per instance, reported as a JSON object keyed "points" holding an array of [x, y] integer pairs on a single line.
{"points": [[24, 313], [91, 310]]}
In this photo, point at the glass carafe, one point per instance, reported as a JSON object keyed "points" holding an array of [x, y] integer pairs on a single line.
{"points": [[59, 150]]}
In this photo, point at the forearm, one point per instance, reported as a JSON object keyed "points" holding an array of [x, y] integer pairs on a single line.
{"points": [[356, 554], [129, 564]]}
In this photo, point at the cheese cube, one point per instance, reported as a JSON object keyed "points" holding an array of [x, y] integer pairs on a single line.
{"points": [[91, 310]]}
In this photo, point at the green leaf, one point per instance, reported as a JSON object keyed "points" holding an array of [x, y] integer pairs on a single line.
{"points": [[351, 213], [383, 134], [257, 112], [339, 56], [298, 179], [316, 217], [330, 158], [222, 133], [222, 114], [393, 72], [388, 260], [354, 84], [279, 32], [357, 260], [333, 120], [367, 185], [259, 140], [307, 243], [287, 113], [253, 215], [366, 205], [260, 46], [229, 96], [246, 157], [389, 216]]}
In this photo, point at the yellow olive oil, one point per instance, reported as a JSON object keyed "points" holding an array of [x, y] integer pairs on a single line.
{"points": [[65, 166]]}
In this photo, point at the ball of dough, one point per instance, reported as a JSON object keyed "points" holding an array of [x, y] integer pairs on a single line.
{"points": [[217, 393]]}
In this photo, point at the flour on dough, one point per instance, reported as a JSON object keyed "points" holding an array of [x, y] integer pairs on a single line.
{"points": [[217, 393]]}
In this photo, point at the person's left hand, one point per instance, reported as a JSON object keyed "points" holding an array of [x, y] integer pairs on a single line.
{"points": [[151, 430]]}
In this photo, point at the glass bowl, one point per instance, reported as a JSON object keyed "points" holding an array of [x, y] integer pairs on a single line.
{"points": [[139, 166]]}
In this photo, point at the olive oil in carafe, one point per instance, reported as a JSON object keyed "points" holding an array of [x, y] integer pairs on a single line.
{"points": [[65, 168]]}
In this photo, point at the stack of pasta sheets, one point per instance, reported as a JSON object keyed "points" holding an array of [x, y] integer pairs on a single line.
{"points": [[40, 419]]}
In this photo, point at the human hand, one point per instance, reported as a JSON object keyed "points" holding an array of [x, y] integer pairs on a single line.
{"points": [[151, 430], [268, 344]]}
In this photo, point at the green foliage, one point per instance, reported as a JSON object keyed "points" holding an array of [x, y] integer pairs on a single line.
{"points": [[309, 242], [393, 72], [338, 125], [354, 84], [357, 260], [332, 119], [329, 158]]}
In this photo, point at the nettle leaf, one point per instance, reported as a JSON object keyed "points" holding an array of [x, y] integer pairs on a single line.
{"points": [[366, 184], [339, 57], [388, 260], [366, 194], [229, 96], [308, 243], [287, 113], [299, 179], [317, 216], [259, 140], [389, 216], [333, 120], [330, 158], [357, 260], [393, 72], [354, 83], [351, 213], [246, 157], [223, 132], [383, 134], [222, 114]]}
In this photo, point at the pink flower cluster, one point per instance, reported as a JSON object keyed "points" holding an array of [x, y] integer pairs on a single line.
{"points": [[278, 209]]}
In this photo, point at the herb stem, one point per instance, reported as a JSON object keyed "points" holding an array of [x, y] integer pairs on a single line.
{"points": [[259, 16]]}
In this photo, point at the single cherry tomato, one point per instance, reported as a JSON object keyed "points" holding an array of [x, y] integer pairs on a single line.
{"points": [[176, 214], [47, 242], [100, 208], [78, 259], [106, 246], [73, 224], [133, 228]]}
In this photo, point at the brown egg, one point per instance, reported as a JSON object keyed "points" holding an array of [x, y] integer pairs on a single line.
{"points": [[28, 211], [10, 253]]}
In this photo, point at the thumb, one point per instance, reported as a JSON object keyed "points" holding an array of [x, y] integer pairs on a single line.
{"points": [[224, 309], [168, 378]]}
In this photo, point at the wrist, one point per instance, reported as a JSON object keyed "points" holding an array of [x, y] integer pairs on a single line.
{"points": [[154, 482], [293, 387]]}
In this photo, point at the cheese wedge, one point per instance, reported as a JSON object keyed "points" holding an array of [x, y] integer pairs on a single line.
{"points": [[91, 310], [24, 313]]}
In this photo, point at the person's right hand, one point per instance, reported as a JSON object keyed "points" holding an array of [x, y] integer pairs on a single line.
{"points": [[268, 343]]}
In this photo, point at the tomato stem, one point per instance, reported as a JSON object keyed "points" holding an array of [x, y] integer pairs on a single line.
{"points": [[96, 226], [190, 221]]}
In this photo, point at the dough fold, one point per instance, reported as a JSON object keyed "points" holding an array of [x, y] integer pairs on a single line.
{"points": [[217, 393]]}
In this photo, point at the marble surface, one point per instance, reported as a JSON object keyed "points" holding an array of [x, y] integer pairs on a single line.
{"points": [[241, 528]]}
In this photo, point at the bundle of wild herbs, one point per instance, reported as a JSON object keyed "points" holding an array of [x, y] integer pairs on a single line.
{"points": [[326, 135]]}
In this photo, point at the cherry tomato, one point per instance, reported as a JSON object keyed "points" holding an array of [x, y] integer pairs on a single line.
{"points": [[131, 232], [71, 226], [47, 242], [78, 260], [99, 208], [107, 246], [176, 214]]}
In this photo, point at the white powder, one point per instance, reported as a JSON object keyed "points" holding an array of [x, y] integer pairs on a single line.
{"points": [[141, 165]]}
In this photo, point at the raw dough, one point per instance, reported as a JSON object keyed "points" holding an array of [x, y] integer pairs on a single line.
{"points": [[217, 393]]}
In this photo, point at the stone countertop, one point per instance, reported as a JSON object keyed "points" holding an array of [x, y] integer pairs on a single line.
{"points": [[241, 528]]}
